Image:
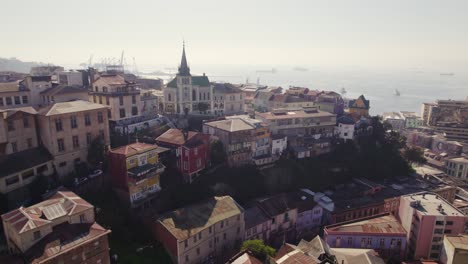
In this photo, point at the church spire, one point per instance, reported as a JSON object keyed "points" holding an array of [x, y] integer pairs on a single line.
{"points": [[184, 70]]}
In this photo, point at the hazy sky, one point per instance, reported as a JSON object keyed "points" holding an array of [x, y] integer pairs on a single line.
{"points": [[402, 33]]}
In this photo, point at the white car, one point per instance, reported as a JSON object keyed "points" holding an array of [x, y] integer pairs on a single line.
{"points": [[95, 174]]}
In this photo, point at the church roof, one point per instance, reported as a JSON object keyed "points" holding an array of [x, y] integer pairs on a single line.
{"points": [[184, 69], [353, 103]]}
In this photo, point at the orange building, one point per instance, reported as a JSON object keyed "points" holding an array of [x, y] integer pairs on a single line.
{"points": [[359, 106]]}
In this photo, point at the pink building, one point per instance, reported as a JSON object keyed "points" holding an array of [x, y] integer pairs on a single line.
{"points": [[426, 218], [383, 233]]}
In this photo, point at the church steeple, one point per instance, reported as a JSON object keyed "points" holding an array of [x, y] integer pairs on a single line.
{"points": [[184, 70]]}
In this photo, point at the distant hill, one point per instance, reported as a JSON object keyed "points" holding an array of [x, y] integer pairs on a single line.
{"points": [[16, 65]]}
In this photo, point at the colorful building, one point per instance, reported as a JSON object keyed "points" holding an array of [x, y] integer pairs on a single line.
{"points": [[191, 149], [455, 250], [360, 106], [383, 233], [426, 218], [135, 170]]}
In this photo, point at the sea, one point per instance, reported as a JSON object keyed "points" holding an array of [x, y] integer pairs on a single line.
{"points": [[416, 85]]}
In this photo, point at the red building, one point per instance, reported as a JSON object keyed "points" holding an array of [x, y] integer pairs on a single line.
{"points": [[192, 151]]}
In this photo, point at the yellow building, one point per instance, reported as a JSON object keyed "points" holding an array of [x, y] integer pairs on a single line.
{"points": [[359, 106], [135, 171]]}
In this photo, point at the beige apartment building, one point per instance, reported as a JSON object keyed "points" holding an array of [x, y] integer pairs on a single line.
{"points": [[457, 167], [14, 94], [21, 160], [61, 229], [67, 129], [122, 96], [212, 230]]}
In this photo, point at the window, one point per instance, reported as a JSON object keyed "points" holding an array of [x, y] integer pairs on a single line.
{"points": [[438, 231], [73, 123], [76, 142], [224, 236], [88, 138], [29, 142], [439, 222], [198, 251], [194, 239], [60, 145], [435, 255], [209, 229], [350, 241], [37, 235], [87, 120], [382, 242], [101, 133], [186, 243], [82, 218], [11, 125], [121, 100], [199, 235], [100, 118], [449, 223], [222, 224], [58, 124], [286, 217], [369, 242], [107, 100], [14, 147], [12, 180], [25, 122], [133, 99], [17, 100], [447, 231], [27, 174], [63, 164], [186, 258], [104, 89], [8, 101], [436, 239], [122, 112], [398, 242], [100, 99], [1, 101], [169, 97], [134, 110]]}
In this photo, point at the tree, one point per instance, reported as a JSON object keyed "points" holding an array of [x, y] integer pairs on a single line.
{"points": [[96, 151], [414, 155], [38, 187], [258, 249], [218, 154]]}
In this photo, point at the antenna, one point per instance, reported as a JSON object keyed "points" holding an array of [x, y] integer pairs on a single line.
{"points": [[121, 58]]}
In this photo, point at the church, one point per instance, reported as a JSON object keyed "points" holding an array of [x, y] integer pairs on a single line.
{"points": [[187, 94]]}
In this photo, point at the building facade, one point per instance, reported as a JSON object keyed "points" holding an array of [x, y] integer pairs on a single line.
{"points": [[68, 129], [426, 217], [455, 250], [64, 219], [382, 233], [212, 230], [135, 170], [228, 99], [192, 151], [14, 94], [457, 167], [360, 106]]}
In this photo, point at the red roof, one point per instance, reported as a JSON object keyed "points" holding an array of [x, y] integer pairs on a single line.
{"points": [[131, 149], [176, 137]]}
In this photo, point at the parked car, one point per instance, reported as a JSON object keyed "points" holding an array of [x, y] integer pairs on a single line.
{"points": [[95, 173], [79, 181]]}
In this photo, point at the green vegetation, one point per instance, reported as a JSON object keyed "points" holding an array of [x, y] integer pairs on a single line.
{"points": [[414, 155], [258, 249], [96, 151]]}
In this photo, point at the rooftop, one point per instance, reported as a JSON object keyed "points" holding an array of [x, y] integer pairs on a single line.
{"points": [[70, 107], [134, 148], [62, 203], [226, 88], [111, 80], [254, 216], [244, 257], [458, 241], [356, 255], [460, 160], [23, 160], [12, 87], [64, 89], [188, 221], [382, 224], [231, 125], [294, 113], [176, 136], [431, 204], [63, 238]]}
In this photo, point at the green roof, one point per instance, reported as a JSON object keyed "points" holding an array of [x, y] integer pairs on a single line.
{"points": [[173, 83], [196, 80], [200, 80]]}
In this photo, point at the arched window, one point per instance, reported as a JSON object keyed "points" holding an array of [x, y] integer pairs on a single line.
{"points": [[169, 97]]}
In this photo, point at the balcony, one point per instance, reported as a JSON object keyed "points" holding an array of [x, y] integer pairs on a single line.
{"points": [[140, 173]]}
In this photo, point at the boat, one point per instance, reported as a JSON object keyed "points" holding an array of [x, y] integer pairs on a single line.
{"points": [[397, 93], [300, 69]]}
